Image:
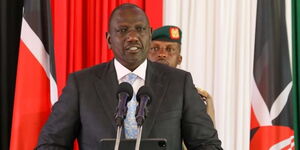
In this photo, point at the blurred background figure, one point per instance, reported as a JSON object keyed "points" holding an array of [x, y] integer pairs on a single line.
{"points": [[166, 48]]}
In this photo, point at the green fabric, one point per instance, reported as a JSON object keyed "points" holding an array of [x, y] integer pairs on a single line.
{"points": [[296, 66], [167, 33]]}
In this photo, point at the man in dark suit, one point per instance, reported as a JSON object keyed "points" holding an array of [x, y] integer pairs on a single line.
{"points": [[87, 106]]}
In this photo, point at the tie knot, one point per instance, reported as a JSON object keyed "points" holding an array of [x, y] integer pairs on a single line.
{"points": [[130, 78]]}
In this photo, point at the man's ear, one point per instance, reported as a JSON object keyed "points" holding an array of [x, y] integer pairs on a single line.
{"points": [[179, 60], [151, 32], [108, 39]]}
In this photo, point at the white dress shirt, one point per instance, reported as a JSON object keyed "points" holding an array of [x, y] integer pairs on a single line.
{"points": [[140, 71]]}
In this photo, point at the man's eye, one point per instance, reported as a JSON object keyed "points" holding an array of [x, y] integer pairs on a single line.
{"points": [[122, 30], [154, 48], [170, 49], [140, 28]]}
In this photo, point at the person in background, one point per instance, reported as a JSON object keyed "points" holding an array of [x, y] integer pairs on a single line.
{"points": [[166, 48], [86, 108]]}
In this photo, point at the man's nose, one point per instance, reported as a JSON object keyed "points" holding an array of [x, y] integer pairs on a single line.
{"points": [[162, 52], [132, 36]]}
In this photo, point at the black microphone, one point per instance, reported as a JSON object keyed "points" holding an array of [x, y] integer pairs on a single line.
{"points": [[124, 94], [144, 97]]}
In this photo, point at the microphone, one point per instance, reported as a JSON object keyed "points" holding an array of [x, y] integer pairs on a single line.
{"points": [[124, 95], [144, 97]]}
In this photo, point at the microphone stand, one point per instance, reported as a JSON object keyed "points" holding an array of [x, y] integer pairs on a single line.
{"points": [[124, 95], [144, 99], [117, 143], [139, 136]]}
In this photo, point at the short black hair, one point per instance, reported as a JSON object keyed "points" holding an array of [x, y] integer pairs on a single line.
{"points": [[122, 7]]}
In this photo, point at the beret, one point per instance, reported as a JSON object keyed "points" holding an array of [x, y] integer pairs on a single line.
{"points": [[167, 33]]}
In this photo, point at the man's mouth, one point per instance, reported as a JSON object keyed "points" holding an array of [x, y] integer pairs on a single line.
{"points": [[163, 61], [133, 49]]}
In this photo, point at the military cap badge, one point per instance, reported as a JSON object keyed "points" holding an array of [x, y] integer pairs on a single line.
{"points": [[174, 33]]}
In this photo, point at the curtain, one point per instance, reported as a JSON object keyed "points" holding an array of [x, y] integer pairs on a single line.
{"points": [[218, 43], [10, 26]]}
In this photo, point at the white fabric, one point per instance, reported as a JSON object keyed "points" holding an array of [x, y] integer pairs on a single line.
{"points": [[217, 48], [123, 71], [288, 14], [140, 72]]}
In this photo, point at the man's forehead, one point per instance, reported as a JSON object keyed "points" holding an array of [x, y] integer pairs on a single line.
{"points": [[136, 20], [127, 16], [166, 43], [125, 13]]}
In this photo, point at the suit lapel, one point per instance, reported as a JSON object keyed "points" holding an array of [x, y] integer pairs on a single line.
{"points": [[106, 88], [156, 80]]}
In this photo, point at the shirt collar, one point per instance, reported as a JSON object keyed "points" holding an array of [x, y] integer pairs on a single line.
{"points": [[140, 71]]}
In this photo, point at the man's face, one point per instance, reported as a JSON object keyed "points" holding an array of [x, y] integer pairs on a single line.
{"points": [[165, 52], [129, 37]]}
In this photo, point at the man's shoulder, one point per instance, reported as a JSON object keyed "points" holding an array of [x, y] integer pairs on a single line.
{"points": [[167, 69], [96, 69]]}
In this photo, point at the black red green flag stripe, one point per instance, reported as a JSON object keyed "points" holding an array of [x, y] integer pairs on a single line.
{"points": [[272, 105]]}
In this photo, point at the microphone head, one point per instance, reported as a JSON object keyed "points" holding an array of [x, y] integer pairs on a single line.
{"points": [[125, 87], [144, 91]]}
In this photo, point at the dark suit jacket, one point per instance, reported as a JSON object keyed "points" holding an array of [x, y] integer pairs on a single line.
{"points": [[86, 110]]}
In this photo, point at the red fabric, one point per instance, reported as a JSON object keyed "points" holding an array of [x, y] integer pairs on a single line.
{"points": [[274, 134], [254, 122], [154, 10], [267, 136], [32, 101]]}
